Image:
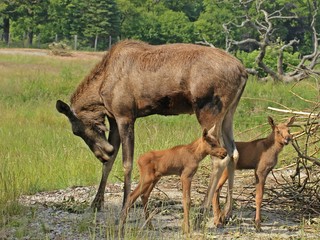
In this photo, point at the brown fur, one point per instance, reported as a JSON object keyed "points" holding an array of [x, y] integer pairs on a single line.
{"points": [[136, 79], [180, 160], [260, 155]]}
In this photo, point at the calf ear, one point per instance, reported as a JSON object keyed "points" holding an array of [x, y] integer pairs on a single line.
{"points": [[64, 108], [271, 122], [205, 133], [290, 121]]}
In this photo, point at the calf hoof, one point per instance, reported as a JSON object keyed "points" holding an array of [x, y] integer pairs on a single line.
{"points": [[185, 230], [199, 220], [257, 226], [218, 222], [150, 226]]}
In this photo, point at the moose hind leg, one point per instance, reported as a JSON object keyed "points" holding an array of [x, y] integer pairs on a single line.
{"points": [[208, 120], [232, 151]]}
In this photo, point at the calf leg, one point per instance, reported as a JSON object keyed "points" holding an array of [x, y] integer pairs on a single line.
{"points": [[140, 190], [145, 197], [215, 201], [260, 182], [186, 187]]}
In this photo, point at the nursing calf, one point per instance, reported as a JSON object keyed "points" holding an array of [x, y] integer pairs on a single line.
{"points": [[181, 160], [260, 155]]}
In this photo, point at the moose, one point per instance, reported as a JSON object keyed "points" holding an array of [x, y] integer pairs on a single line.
{"points": [[135, 79], [182, 160], [260, 155]]}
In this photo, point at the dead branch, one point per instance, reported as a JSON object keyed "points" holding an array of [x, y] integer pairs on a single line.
{"points": [[266, 30]]}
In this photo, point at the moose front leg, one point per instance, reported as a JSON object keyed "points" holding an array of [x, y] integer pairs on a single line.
{"points": [[114, 140], [126, 130], [98, 201]]}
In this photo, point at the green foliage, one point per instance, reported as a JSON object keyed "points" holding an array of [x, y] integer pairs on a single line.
{"points": [[152, 21], [290, 59]]}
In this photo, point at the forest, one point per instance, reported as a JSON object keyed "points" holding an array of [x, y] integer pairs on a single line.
{"points": [[268, 36]]}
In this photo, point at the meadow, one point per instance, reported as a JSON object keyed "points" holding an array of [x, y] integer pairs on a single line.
{"points": [[38, 151]]}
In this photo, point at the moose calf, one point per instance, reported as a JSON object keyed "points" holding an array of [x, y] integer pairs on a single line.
{"points": [[260, 155], [181, 160]]}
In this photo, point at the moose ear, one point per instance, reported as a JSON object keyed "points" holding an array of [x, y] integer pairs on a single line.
{"points": [[64, 108], [271, 122], [290, 121]]}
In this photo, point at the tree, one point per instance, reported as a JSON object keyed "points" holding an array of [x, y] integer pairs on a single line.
{"points": [[209, 25], [268, 25], [32, 14], [153, 22], [7, 12], [90, 20]]}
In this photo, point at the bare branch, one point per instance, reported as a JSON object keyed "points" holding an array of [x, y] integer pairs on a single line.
{"points": [[280, 58], [266, 30]]}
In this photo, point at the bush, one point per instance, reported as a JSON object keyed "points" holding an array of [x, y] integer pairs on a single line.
{"points": [[270, 59], [60, 49]]}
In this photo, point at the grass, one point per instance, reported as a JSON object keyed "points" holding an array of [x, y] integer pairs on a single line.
{"points": [[38, 151]]}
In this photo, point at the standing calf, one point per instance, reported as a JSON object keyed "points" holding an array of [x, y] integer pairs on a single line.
{"points": [[181, 160], [260, 155]]}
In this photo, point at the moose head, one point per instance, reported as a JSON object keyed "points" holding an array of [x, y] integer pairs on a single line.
{"points": [[93, 133]]}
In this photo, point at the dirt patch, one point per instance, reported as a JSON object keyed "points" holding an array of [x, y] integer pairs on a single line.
{"points": [[65, 214], [45, 52]]}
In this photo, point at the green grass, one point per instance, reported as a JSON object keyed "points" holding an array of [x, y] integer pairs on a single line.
{"points": [[39, 152]]}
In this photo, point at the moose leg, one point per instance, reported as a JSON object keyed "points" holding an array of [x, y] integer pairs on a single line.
{"points": [[215, 200], [208, 120], [126, 131], [114, 140], [230, 145], [186, 187]]}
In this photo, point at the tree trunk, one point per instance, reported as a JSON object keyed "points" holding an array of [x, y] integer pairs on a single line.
{"points": [[6, 30], [30, 38]]}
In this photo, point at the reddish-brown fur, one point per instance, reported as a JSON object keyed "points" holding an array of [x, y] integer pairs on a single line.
{"points": [[181, 160], [260, 155], [136, 79]]}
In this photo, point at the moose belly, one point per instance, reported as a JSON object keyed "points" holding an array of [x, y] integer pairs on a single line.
{"points": [[168, 105]]}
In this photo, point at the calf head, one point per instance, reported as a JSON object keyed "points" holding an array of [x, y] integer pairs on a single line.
{"points": [[91, 132], [281, 131], [212, 144]]}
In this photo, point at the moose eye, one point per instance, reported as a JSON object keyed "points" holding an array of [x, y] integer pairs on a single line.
{"points": [[98, 129]]}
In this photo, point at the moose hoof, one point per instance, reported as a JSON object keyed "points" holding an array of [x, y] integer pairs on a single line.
{"points": [[97, 204]]}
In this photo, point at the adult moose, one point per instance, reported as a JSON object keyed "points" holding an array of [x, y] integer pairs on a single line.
{"points": [[135, 79]]}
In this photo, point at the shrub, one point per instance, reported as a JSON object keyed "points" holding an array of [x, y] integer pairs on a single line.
{"points": [[60, 49], [290, 58]]}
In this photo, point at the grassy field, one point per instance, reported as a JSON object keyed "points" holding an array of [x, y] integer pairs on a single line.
{"points": [[39, 152]]}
